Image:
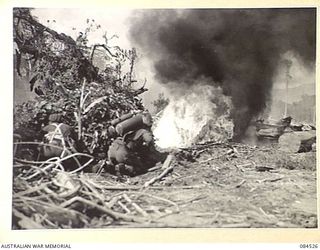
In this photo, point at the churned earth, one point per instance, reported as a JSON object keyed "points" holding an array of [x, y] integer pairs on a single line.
{"points": [[214, 185], [233, 186]]}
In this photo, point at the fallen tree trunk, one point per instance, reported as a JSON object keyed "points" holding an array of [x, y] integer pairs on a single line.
{"points": [[294, 142]]}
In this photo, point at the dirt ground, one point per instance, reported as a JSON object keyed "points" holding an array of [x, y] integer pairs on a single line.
{"points": [[229, 185], [235, 186]]}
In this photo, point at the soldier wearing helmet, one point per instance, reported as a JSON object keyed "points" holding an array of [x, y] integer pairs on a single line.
{"points": [[132, 152]]}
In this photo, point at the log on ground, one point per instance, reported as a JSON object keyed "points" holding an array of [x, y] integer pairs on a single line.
{"points": [[291, 142]]}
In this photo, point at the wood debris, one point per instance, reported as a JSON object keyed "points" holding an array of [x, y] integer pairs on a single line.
{"points": [[167, 166]]}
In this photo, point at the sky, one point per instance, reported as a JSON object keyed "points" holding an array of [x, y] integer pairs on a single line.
{"points": [[116, 21], [113, 20]]}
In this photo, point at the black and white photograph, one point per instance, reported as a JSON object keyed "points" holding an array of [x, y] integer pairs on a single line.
{"points": [[164, 118]]}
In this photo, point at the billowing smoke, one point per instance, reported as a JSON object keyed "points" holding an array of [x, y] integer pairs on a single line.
{"points": [[238, 50]]}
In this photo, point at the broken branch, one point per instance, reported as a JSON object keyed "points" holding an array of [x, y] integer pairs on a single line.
{"points": [[167, 168]]}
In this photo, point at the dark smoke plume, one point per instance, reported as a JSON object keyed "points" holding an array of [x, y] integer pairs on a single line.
{"points": [[237, 49]]}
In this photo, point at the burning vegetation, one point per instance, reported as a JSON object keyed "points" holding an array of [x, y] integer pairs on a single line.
{"points": [[204, 155], [236, 50], [201, 114]]}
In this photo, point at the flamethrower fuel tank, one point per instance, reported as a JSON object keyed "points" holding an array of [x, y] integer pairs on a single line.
{"points": [[121, 119], [131, 124]]}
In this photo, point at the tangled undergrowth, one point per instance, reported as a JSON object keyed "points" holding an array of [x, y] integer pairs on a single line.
{"points": [[65, 79], [206, 185]]}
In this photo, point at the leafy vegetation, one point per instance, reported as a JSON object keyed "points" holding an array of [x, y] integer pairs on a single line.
{"points": [[62, 74]]}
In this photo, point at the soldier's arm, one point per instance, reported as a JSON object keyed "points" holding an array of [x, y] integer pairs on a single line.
{"points": [[73, 134], [147, 138], [43, 132]]}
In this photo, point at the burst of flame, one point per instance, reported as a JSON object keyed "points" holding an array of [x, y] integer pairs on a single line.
{"points": [[186, 115]]}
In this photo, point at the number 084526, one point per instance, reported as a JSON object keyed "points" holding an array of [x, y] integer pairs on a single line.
{"points": [[309, 246]]}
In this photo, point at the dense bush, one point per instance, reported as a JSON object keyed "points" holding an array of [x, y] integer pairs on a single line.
{"points": [[65, 80]]}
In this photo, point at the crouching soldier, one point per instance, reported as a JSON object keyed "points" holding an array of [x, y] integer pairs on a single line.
{"points": [[123, 159], [59, 138], [134, 152]]}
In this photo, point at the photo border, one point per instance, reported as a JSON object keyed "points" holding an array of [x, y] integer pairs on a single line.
{"points": [[125, 235]]}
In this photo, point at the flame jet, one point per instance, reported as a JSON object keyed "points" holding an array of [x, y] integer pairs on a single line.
{"points": [[237, 49]]}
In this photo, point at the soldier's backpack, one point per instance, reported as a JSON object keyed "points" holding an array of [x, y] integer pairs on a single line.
{"points": [[60, 145], [55, 137]]}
